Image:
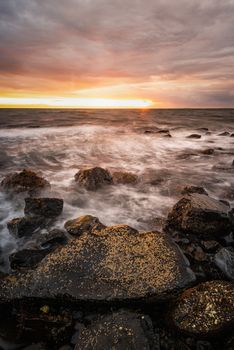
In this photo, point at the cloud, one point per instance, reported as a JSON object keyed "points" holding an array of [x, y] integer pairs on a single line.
{"points": [[68, 45]]}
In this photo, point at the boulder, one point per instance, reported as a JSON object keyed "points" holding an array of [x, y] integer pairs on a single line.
{"points": [[44, 207], [117, 263], [224, 259], [24, 181], [25, 226], [27, 258], [120, 330], [52, 239], [85, 223], [208, 151], [93, 178], [201, 215], [193, 189], [206, 309], [124, 177], [194, 136]]}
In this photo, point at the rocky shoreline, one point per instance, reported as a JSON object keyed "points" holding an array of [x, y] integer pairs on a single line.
{"points": [[91, 286]]}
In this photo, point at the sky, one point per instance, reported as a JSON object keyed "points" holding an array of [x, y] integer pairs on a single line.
{"points": [[159, 53]]}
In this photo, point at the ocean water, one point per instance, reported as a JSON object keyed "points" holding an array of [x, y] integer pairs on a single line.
{"points": [[57, 143]]}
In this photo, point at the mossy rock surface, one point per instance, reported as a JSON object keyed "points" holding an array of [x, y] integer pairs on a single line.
{"points": [[115, 264]]}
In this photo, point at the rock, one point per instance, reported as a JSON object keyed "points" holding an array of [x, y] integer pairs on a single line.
{"points": [[208, 151], [225, 133], [25, 226], [66, 347], [167, 135], [124, 177], [27, 258], [210, 246], [193, 189], [115, 264], [232, 135], [121, 330], [201, 215], [86, 223], [205, 309], [163, 131], [199, 254], [202, 129], [194, 136], [44, 207], [93, 178], [52, 238], [224, 259], [24, 181]]}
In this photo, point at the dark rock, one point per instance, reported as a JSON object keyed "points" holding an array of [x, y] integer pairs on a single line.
{"points": [[167, 135], [208, 151], [27, 258], [163, 131], [232, 135], [199, 214], [225, 133], [124, 177], [93, 178], [115, 264], [86, 223], [24, 181], [202, 129], [121, 330], [205, 309], [25, 226], [52, 238], [210, 246], [194, 136], [193, 189], [224, 259], [66, 347], [45, 207]]}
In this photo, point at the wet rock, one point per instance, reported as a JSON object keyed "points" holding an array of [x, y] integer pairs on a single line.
{"points": [[232, 135], [93, 178], [121, 330], [208, 151], [44, 207], [194, 136], [27, 258], [52, 238], [201, 215], [224, 259], [25, 226], [86, 223], [202, 129], [210, 246], [66, 347], [126, 178], [24, 181], [205, 309], [225, 133], [115, 264], [163, 131], [193, 189], [167, 135]]}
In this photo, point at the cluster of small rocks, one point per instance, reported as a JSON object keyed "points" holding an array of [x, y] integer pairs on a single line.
{"points": [[91, 286]]}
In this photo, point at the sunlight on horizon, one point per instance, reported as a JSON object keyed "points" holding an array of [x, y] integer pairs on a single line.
{"points": [[72, 102]]}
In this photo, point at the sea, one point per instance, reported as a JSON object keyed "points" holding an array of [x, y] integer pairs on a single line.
{"points": [[153, 144]]}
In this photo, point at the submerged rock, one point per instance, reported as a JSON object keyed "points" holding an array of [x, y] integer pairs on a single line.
{"points": [[24, 181], [225, 133], [224, 259], [194, 136], [93, 178], [44, 207], [193, 189], [85, 223], [121, 330], [208, 151], [124, 177], [25, 226], [199, 214], [205, 309], [117, 263]]}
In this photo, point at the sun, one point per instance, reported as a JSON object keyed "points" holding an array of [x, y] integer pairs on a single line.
{"points": [[72, 102]]}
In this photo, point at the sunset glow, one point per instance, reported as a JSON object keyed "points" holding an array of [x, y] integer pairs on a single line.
{"points": [[73, 102]]}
